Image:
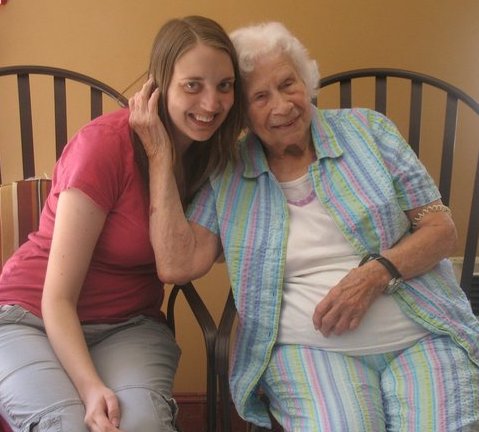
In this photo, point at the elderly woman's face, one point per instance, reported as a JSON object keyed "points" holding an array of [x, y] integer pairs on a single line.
{"points": [[279, 109]]}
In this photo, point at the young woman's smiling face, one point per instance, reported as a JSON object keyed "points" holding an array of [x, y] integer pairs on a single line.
{"points": [[201, 94]]}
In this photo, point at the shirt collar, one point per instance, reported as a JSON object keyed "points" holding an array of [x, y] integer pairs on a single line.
{"points": [[325, 140], [325, 144]]}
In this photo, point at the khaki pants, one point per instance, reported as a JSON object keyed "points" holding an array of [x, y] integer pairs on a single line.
{"points": [[137, 359]]}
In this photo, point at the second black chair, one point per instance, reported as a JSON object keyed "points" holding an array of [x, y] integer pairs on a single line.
{"points": [[458, 109]]}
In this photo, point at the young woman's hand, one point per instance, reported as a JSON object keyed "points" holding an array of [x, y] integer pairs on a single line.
{"points": [[145, 121], [102, 410]]}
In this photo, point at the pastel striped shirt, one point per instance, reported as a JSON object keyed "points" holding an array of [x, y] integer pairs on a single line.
{"points": [[366, 176]]}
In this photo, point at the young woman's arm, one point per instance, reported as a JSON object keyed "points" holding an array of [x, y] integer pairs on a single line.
{"points": [[78, 224]]}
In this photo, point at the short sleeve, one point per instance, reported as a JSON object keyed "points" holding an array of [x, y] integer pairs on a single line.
{"points": [[202, 209], [413, 184], [94, 161]]}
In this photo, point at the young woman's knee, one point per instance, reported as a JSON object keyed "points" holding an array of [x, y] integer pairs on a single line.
{"points": [[64, 418], [145, 410]]}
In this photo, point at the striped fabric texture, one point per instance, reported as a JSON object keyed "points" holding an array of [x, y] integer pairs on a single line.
{"points": [[316, 390], [21, 203], [365, 175]]}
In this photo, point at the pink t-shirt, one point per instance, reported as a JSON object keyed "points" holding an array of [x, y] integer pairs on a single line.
{"points": [[122, 280]]}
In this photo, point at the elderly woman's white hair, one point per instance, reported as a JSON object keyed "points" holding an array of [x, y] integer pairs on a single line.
{"points": [[260, 40]]}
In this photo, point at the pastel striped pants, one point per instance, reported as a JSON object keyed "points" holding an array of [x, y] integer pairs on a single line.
{"points": [[431, 386]]}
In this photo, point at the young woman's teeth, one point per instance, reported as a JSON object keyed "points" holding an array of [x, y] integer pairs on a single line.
{"points": [[203, 118]]}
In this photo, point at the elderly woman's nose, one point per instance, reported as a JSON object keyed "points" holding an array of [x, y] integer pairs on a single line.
{"points": [[281, 103]]}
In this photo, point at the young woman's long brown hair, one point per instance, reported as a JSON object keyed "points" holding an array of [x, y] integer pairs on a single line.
{"points": [[173, 40]]}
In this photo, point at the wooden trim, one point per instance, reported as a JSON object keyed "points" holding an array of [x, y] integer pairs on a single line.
{"points": [[192, 414], [192, 411]]}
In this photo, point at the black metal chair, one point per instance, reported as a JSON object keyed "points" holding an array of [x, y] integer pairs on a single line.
{"points": [[98, 96], [60, 78], [209, 330], [456, 102], [381, 81]]}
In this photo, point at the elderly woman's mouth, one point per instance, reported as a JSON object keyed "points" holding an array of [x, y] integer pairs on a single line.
{"points": [[285, 125]]}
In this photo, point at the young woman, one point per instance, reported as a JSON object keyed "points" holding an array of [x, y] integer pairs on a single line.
{"points": [[84, 344]]}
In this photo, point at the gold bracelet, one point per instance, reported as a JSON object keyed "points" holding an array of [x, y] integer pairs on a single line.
{"points": [[433, 208]]}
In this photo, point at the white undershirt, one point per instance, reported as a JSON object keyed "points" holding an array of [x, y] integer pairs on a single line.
{"points": [[318, 257]]}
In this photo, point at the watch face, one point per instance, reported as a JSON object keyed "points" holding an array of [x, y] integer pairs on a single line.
{"points": [[393, 285]]}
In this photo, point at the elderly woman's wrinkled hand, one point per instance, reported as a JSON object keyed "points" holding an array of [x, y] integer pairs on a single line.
{"points": [[145, 121], [348, 301]]}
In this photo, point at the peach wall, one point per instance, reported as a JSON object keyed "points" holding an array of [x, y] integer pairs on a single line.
{"points": [[110, 40]]}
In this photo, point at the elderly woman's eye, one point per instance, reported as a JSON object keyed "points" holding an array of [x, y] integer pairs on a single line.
{"points": [[259, 97]]}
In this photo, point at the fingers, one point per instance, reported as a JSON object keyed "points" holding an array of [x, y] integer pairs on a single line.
{"points": [[328, 313], [146, 123], [113, 410], [335, 322], [343, 308], [102, 410], [146, 99], [153, 101], [327, 318], [144, 108], [103, 425], [149, 97], [152, 96], [146, 89]]}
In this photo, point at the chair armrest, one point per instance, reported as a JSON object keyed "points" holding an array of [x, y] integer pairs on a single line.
{"points": [[201, 313], [223, 338], [222, 360], [208, 327]]}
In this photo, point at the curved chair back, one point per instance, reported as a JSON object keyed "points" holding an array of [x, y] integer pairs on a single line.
{"points": [[60, 79], [21, 201], [17, 194], [457, 108]]}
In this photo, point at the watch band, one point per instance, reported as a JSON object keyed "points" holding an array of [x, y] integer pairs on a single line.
{"points": [[396, 277]]}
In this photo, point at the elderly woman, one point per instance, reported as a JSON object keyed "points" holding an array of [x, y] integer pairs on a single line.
{"points": [[344, 322]]}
